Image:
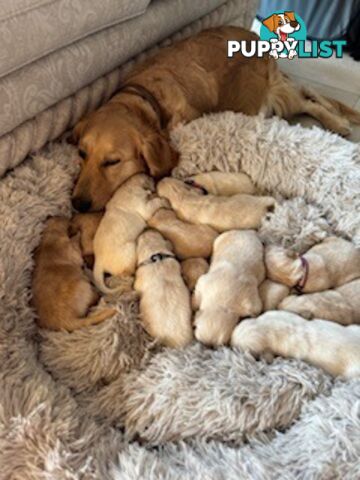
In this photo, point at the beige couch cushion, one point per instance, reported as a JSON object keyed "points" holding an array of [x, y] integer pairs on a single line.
{"points": [[31, 29]]}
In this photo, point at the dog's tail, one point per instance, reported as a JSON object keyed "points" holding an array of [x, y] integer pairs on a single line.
{"points": [[93, 319], [352, 115], [99, 279]]}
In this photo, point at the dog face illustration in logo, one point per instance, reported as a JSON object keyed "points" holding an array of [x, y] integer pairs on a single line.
{"points": [[283, 25]]}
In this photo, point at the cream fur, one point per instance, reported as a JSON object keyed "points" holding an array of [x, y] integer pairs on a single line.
{"points": [[225, 183], [125, 218], [272, 293], [333, 347], [164, 299], [229, 290], [221, 213]]}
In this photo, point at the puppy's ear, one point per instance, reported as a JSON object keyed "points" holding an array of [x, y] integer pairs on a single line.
{"points": [[270, 23], [291, 16], [158, 154]]}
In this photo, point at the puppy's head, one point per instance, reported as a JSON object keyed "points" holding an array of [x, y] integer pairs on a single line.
{"points": [[151, 242], [115, 144]]}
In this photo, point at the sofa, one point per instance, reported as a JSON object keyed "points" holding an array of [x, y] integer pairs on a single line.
{"points": [[61, 59]]}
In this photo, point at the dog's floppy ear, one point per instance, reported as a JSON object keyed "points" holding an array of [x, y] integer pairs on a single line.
{"points": [[78, 131], [291, 15], [158, 154], [270, 22]]}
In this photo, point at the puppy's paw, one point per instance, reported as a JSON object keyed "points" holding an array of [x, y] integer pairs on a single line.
{"points": [[343, 127]]}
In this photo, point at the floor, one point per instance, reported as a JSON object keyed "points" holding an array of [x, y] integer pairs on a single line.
{"points": [[335, 77]]}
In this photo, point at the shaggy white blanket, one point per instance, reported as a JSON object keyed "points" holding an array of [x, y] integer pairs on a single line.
{"points": [[107, 403]]}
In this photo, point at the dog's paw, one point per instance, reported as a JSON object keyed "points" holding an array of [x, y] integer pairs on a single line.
{"points": [[343, 127]]}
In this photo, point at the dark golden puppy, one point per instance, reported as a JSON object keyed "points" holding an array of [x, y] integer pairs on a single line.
{"points": [[129, 135]]}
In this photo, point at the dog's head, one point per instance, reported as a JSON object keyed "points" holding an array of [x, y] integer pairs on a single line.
{"points": [[282, 24], [115, 144]]}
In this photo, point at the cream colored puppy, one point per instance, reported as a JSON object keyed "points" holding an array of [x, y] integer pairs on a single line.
{"points": [[221, 213], [188, 240], [272, 293], [192, 269], [229, 290], [164, 299], [125, 218], [329, 264], [332, 347], [222, 183], [341, 305]]}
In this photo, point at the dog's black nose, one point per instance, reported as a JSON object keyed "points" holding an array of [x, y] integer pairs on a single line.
{"points": [[294, 23], [81, 205]]}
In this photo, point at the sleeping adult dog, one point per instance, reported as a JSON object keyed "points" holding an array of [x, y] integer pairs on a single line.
{"points": [[130, 134]]}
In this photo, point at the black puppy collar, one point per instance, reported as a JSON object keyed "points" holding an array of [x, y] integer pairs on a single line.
{"points": [[157, 257], [194, 184]]}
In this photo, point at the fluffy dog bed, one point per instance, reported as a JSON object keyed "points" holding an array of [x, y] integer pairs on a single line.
{"points": [[108, 403]]}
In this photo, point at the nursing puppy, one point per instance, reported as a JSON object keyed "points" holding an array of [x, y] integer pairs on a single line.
{"points": [[221, 213], [192, 269], [164, 299], [341, 305], [230, 290], [188, 240], [329, 264], [125, 218], [272, 293], [332, 347], [62, 294], [223, 183], [86, 225]]}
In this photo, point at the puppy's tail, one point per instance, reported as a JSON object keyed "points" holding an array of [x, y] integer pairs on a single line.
{"points": [[99, 279], [93, 319]]}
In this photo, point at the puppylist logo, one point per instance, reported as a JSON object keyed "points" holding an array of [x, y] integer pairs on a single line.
{"points": [[283, 35]]}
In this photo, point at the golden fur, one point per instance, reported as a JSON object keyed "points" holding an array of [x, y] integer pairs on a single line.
{"points": [[192, 269], [62, 294], [189, 240], [125, 136], [223, 183]]}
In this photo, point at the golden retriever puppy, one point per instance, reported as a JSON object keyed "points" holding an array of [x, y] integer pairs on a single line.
{"points": [[222, 183], [86, 225], [341, 305], [125, 218], [62, 294], [189, 240], [164, 299], [329, 264], [192, 269], [182, 82], [272, 293], [332, 347], [230, 289], [221, 213]]}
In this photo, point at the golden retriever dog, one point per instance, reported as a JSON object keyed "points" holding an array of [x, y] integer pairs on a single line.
{"points": [[230, 289], [189, 240], [86, 225], [125, 218], [332, 347], [164, 299], [272, 293], [329, 264], [182, 82], [62, 294], [192, 269], [341, 305], [221, 213], [222, 183]]}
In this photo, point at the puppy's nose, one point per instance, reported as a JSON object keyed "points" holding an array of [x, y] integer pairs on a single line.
{"points": [[81, 205], [294, 23]]}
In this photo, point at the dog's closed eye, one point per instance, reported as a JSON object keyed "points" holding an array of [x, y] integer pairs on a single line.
{"points": [[110, 163]]}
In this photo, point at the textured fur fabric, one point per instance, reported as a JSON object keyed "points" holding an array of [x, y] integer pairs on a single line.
{"points": [[106, 402]]}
